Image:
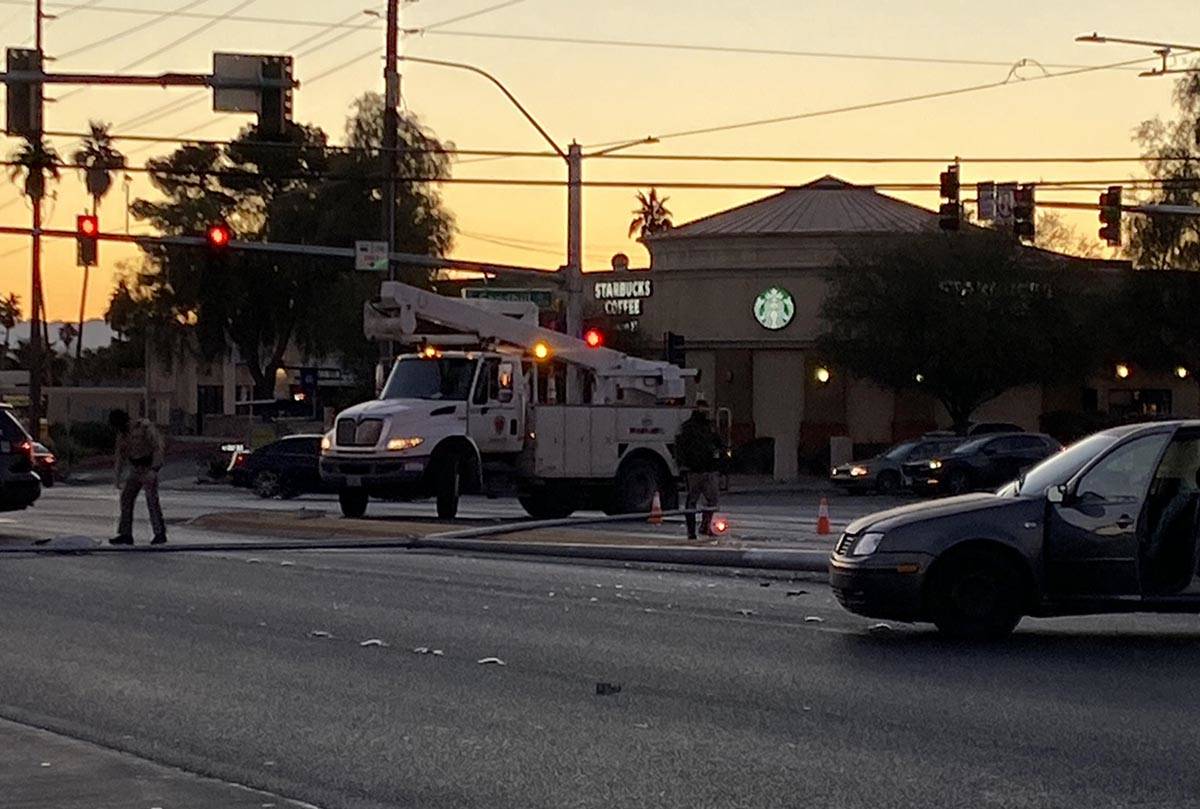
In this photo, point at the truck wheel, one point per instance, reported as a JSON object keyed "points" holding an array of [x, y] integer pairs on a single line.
{"points": [[546, 505], [637, 482], [976, 596], [353, 502], [449, 487]]}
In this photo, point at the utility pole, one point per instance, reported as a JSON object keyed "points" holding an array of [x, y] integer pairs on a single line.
{"points": [[391, 127], [35, 320], [574, 267]]}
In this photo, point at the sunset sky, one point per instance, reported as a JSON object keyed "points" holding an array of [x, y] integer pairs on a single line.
{"points": [[598, 94]]}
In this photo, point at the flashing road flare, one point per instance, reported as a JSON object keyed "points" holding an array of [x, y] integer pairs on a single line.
{"points": [[823, 517], [656, 513], [719, 524]]}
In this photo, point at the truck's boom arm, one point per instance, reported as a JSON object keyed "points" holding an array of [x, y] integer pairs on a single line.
{"points": [[394, 317]]}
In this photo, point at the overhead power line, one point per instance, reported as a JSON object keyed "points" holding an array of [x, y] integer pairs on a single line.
{"points": [[159, 16], [739, 50], [1010, 80]]}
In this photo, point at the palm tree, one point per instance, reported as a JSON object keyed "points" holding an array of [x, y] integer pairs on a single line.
{"points": [[67, 334], [97, 159], [35, 161], [10, 316], [651, 215]]}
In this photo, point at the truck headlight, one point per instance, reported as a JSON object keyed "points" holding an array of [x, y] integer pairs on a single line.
{"points": [[326, 442], [867, 543], [401, 444]]}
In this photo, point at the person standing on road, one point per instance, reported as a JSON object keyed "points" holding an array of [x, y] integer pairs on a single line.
{"points": [[698, 451], [139, 456]]}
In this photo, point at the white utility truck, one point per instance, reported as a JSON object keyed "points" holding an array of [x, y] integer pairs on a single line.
{"points": [[489, 401]]}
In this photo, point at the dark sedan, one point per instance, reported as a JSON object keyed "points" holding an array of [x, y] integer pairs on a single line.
{"points": [[883, 473], [45, 464], [19, 485], [283, 468], [980, 463], [1109, 525]]}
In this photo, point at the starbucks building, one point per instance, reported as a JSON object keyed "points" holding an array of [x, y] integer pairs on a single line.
{"points": [[744, 288]]}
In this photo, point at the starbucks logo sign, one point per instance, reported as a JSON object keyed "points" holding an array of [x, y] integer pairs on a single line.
{"points": [[774, 308]]}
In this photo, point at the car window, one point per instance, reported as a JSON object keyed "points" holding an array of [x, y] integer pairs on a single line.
{"points": [[1024, 443], [10, 428], [901, 451], [1125, 472], [1061, 467], [971, 446], [1015, 443]]}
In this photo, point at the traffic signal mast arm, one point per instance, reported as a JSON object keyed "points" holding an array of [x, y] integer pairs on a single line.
{"points": [[395, 314]]}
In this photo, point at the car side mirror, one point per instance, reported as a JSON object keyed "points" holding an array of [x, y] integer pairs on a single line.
{"points": [[1057, 494]]}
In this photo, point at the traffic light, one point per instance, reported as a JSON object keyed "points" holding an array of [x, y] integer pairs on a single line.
{"points": [[275, 111], [594, 338], [675, 348], [950, 211], [23, 107], [87, 241], [217, 237], [1110, 216], [1024, 210]]}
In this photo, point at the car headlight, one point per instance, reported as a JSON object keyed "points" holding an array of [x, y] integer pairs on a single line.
{"points": [[327, 442], [401, 444], [858, 471], [935, 464], [867, 543]]}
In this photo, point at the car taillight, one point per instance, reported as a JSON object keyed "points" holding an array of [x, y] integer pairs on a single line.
{"points": [[26, 448], [239, 459], [48, 458]]}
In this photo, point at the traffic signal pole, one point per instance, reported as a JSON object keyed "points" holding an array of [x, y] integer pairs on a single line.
{"points": [[35, 320]]}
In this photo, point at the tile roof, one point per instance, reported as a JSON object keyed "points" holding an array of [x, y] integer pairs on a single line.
{"points": [[825, 206]]}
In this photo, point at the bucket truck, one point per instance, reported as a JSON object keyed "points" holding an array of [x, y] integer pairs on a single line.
{"points": [[488, 401]]}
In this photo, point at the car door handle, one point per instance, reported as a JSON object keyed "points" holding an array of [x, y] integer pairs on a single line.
{"points": [[1124, 521]]}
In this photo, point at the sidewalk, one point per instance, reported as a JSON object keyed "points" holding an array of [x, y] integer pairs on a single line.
{"points": [[43, 770]]}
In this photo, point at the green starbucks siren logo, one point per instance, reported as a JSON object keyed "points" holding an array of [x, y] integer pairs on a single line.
{"points": [[774, 308]]}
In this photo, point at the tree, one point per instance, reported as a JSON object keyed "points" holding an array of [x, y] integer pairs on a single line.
{"points": [[1053, 233], [97, 158], [963, 317], [31, 163], [10, 316], [1172, 155], [297, 191], [651, 215], [67, 334]]}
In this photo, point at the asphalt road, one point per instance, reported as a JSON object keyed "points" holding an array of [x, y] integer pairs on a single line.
{"points": [[729, 696]]}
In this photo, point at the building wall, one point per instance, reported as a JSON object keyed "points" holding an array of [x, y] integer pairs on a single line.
{"points": [[778, 409], [66, 405]]}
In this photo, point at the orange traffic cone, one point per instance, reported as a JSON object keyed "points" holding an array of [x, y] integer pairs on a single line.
{"points": [[823, 517], [655, 510]]}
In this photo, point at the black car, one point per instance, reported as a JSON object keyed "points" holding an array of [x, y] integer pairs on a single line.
{"points": [[45, 464], [19, 484], [283, 468], [1111, 524], [985, 462], [883, 473]]}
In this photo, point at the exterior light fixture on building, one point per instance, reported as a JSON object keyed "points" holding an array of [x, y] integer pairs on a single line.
{"points": [[822, 375], [1181, 372], [919, 378], [1122, 371]]}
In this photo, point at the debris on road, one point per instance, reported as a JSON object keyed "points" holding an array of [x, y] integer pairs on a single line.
{"points": [[764, 584], [491, 661], [607, 689], [287, 563], [792, 593], [593, 598], [747, 612], [254, 560], [813, 619], [372, 642], [425, 650], [320, 633]]}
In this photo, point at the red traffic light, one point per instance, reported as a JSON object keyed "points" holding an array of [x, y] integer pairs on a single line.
{"points": [[217, 235], [87, 225], [594, 338]]}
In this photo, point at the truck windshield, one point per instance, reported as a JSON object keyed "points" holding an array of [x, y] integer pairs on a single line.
{"points": [[419, 378]]}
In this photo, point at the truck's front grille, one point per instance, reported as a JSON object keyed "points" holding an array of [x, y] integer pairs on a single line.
{"points": [[363, 433]]}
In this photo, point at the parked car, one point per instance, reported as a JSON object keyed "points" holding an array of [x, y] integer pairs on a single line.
{"points": [[45, 464], [884, 472], [283, 468], [987, 427], [985, 462], [19, 485], [1111, 524]]}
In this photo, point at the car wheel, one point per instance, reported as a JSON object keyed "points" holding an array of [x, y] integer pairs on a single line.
{"points": [[976, 595], [267, 485], [957, 482], [47, 480], [353, 502], [449, 487], [887, 483]]}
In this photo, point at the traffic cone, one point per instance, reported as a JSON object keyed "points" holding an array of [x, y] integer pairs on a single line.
{"points": [[655, 510], [823, 517]]}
